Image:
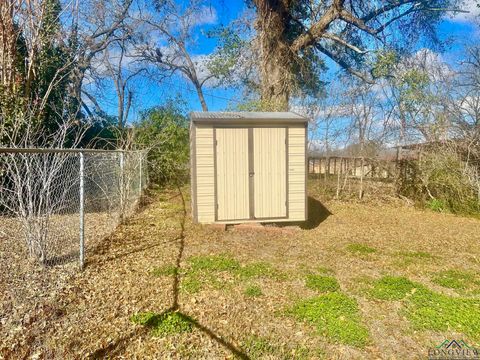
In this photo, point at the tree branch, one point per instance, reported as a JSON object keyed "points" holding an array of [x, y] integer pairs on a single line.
{"points": [[93, 100], [344, 43], [359, 23], [311, 36], [386, 8], [344, 64]]}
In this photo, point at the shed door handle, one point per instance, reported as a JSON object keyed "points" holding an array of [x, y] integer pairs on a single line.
{"points": [[251, 174]]}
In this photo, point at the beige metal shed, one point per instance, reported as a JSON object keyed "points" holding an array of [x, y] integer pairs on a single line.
{"points": [[248, 167]]}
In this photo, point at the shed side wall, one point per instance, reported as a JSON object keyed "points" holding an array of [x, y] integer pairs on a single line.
{"points": [[193, 172], [296, 173], [205, 173]]}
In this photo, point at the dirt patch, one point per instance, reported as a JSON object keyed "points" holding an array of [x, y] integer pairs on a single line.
{"points": [[131, 273]]}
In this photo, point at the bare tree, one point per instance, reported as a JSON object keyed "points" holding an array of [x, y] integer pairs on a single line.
{"points": [[96, 25], [362, 105], [36, 186], [116, 61], [175, 24]]}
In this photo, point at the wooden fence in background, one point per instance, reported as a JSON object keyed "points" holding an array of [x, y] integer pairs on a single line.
{"points": [[352, 167]]}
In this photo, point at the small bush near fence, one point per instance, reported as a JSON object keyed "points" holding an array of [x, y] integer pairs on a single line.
{"points": [[54, 202], [442, 181], [164, 130]]}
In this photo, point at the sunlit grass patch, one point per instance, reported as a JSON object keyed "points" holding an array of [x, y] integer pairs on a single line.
{"points": [[208, 268], [321, 283], [428, 310], [360, 249], [165, 270], [253, 291], [170, 322], [405, 258], [220, 271], [456, 279], [335, 316], [257, 347], [213, 263], [191, 284], [258, 269], [392, 288], [415, 255], [324, 270]]}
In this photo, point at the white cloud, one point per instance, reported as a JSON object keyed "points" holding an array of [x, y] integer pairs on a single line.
{"points": [[206, 15], [473, 12], [430, 62]]}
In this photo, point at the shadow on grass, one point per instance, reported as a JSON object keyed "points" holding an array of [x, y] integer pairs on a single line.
{"points": [[118, 346], [317, 213], [104, 247]]}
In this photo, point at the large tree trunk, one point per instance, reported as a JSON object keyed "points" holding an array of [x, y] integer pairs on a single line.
{"points": [[276, 57]]}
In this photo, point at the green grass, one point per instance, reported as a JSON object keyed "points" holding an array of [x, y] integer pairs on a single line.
{"points": [[409, 257], [392, 288], [168, 323], [429, 310], [166, 270], [455, 279], [213, 263], [436, 205], [325, 270], [256, 347], [191, 284], [335, 316], [253, 291], [255, 270], [321, 283], [360, 249], [204, 270], [416, 255]]}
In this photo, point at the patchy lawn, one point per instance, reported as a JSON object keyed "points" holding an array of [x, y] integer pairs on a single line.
{"points": [[356, 281]]}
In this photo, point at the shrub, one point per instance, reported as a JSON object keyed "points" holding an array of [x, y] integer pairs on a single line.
{"points": [[442, 181], [436, 205], [164, 130]]}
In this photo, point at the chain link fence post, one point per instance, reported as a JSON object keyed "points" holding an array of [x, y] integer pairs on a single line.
{"points": [[140, 186], [81, 211], [122, 187]]}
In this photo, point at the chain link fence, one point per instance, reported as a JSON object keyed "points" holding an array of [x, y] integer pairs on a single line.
{"points": [[56, 208], [56, 204]]}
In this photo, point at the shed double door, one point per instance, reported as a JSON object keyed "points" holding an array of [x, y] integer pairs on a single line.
{"points": [[251, 173]]}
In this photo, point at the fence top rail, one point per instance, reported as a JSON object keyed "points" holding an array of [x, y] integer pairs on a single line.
{"points": [[75, 151]]}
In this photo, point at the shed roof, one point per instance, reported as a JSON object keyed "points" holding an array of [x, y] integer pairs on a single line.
{"points": [[244, 116]]}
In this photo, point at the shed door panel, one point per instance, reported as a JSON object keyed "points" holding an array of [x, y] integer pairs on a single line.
{"points": [[232, 174], [270, 179]]}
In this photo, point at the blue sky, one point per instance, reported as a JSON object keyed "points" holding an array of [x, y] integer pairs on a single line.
{"points": [[460, 32]]}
